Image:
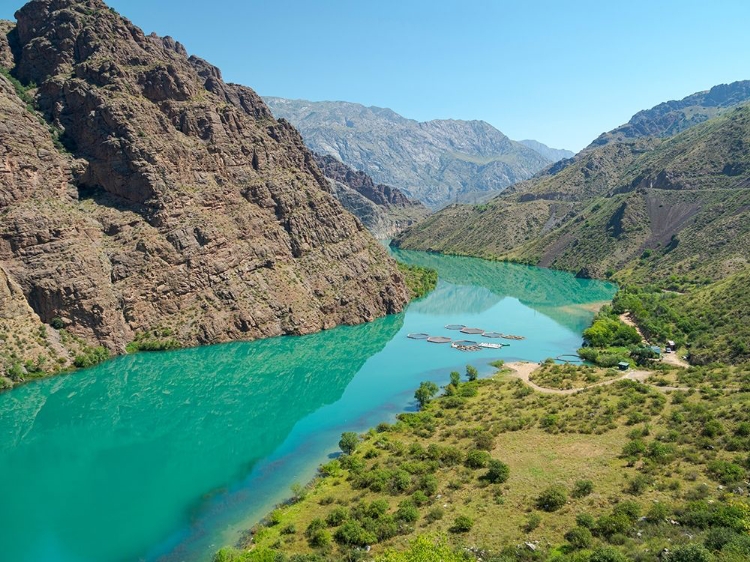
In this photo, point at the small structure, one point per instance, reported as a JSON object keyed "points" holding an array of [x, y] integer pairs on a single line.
{"points": [[671, 346], [623, 365], [657, 350]]}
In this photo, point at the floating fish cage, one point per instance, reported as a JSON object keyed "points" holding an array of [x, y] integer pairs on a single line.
{"points": [[454, 326], [419, 336], [492, 335], [465, 343], [438, 339], [512, 337], [473, 331]]}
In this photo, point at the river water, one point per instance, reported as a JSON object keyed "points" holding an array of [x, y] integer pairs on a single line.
{"points": [[169, 456]]}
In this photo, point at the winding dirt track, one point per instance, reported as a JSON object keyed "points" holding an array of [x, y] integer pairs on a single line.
{"points": [[522, 370]]}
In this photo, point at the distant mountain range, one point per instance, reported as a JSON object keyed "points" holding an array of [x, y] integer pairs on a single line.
{"points": [[553, 154], [663, 201], [437, 162]]}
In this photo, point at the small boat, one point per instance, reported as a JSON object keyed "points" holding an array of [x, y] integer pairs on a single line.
{"points": [[488, 345]]}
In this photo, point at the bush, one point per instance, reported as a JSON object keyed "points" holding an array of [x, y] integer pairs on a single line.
{"points": [[484, 441], [352, 533], [582, 488], [726, 472], [407, 512], [428, 484], [579, 537], [337, 516], [477, 459], [689, 553], [462, 524], [498, 472], [471, 373], [349, 441], [455, 378], [57, 323], [319, 539], [435, 514], [533, 520], [552, 499], [585, 520]]}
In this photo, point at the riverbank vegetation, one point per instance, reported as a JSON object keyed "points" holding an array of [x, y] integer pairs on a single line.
{"points": [[419, 280], [496, 471]]}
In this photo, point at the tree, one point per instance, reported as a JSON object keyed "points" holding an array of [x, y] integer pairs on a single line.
{"points": [[455, 378], [426, 391], [349, 441], [471, 373], [462, 524]]}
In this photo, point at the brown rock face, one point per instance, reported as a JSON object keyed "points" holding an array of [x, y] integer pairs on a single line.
{"points": [[180, 203]]}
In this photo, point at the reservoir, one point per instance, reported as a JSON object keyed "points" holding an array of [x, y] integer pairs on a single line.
{"points": [[168, 456]]}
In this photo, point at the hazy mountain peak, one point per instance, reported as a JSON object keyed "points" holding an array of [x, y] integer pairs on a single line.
{"points": [[435, 161]]}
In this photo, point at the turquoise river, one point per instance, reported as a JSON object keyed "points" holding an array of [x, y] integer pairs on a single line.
{"points": [[169, 456]]}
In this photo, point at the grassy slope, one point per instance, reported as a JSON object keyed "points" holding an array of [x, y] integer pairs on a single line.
{"points": [[546, 440]]}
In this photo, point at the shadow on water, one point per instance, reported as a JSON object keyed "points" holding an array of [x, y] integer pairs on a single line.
{"points": [[129, 445]]}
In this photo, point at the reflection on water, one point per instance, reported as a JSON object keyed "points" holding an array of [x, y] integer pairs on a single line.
{"points": [[166, 456], [557, 294]]}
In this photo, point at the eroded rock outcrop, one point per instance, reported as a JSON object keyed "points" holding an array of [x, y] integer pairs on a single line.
{"points": [[146, 194], [383, 209]]}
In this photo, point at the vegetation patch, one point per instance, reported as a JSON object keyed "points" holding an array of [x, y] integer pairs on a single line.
{"points": [[419, 280]]}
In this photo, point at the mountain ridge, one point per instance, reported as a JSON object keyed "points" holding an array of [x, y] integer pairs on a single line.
{"points": [[434, 161]]}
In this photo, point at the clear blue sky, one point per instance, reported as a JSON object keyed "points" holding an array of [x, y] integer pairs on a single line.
{"points": [[557, 71]]}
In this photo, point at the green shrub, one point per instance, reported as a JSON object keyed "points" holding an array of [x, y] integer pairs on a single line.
{"points": [[407, 512], [477, 459], [579, 537], [726, 472], [471, 373], [552, 499], [337, 516], [533, 520], [351, 533], [585, 520], [435, 514], [689, 553], [462, 524], [582, 488], [498, 472]]}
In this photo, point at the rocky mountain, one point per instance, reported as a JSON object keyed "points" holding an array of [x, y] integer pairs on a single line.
{"points": [[383, 209], [672, 211], [672, 117], [436, 161], [145, 201], [552, 154]]}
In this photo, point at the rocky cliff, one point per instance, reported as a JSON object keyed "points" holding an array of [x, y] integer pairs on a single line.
{"points": [[436, 162], [142, 196], [552, 154], [383, 209]]}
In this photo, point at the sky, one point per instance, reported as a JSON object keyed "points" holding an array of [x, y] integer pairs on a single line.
{"points": [[560, 72]]}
